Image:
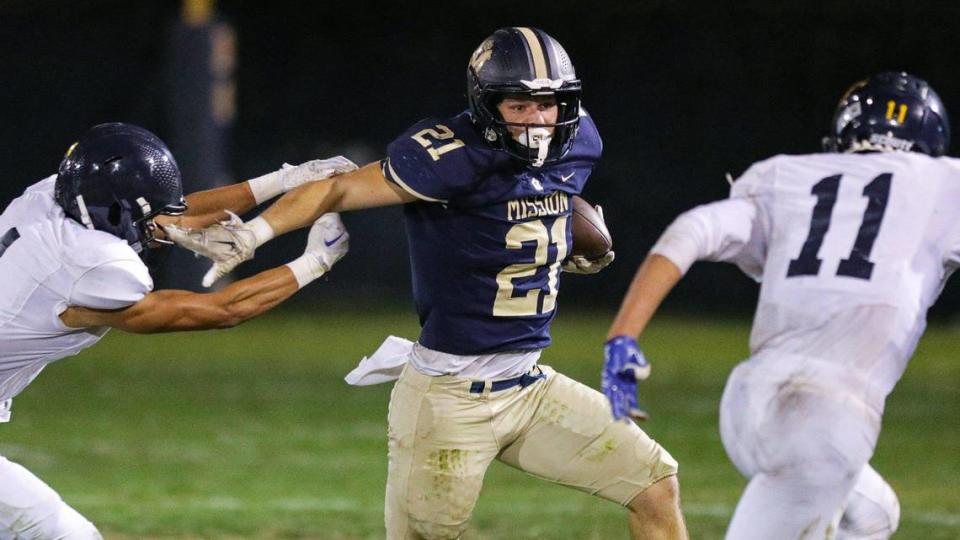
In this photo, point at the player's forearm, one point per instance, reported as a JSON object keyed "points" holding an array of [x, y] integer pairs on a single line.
{"points": [[365, 187], [238, 198], [176, 311], [655, 278], [302, 206], [205, 208], [253, 296]]}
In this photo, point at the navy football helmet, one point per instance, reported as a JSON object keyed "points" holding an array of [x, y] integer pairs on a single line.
{"points": [[528, 62], [116, 179], [890, 111]]}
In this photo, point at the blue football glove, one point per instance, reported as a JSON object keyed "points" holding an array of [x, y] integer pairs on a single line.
{"points": [[623, 366]]}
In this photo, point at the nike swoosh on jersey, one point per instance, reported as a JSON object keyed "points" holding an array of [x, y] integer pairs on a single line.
{"points": [[329, 243], [567, 177]]}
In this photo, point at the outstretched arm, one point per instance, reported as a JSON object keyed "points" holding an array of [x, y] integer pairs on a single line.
{"points": [[722, 231], [207, 207], [230, 243], [363, 188], [172, 310]]}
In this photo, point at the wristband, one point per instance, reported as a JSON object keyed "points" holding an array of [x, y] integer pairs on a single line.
{"points": [[306, 268], [261, 229], [266, 187]]}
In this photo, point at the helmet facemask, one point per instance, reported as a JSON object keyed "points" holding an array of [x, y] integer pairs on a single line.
{"points": [[536, 144], [524, 63], [146, 226]]}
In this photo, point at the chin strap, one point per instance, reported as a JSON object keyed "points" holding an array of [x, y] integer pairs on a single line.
{"points": [[84, 213]]}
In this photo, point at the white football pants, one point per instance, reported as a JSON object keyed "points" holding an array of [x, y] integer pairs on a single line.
{"points": [[872, 511], [30, 509], [801, 431]]}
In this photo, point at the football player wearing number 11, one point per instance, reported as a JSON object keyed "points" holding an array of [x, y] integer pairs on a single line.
{"points": [[851, 248], [487, 209]]}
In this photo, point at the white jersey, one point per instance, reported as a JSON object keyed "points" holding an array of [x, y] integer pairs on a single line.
{"points": [[850, 249], [47, 263]]}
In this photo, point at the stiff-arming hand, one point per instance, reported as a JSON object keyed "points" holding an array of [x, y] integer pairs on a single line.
{"points": [[293, 176], [290, 177], [623, 366]]}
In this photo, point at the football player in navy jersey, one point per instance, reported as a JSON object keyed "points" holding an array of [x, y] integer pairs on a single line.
{"points": [[486, 197]]}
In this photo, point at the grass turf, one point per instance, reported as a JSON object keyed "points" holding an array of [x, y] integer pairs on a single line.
{"points": [[252, 433]]}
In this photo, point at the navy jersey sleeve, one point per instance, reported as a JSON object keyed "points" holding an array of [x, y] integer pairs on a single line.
{"points": [[430, 160]]}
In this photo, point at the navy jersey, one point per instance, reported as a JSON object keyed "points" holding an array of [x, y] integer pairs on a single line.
{"points": [[488, 234]]}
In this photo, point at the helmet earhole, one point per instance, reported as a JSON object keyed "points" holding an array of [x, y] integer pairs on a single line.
{"points": [[113, 216]]}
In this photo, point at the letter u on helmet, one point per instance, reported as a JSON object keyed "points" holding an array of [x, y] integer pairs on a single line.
{"points": [[116, 179], [890, 111], [523, 61]]}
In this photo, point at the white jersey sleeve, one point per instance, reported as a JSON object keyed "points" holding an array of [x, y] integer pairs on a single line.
{"points": [[725, 231], [951, 255], [114, 285]]}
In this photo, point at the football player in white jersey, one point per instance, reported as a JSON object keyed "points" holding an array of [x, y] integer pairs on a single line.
{"points": [[70, 263], [851, 248]]}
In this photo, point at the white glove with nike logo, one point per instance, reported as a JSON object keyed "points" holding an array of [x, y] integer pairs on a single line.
{"points": [[227, 243], [231, 242], [327, 243], [290, 177]]}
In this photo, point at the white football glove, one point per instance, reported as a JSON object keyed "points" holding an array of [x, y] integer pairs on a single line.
{"points": [[327, 243], [227, 244], [289, 177], [578, 264]]}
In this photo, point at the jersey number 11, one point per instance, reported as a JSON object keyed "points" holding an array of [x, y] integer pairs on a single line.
{"points": [[857, 265]]}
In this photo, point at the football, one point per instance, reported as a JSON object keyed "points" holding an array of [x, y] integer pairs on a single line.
{"points": [[591, 238]]}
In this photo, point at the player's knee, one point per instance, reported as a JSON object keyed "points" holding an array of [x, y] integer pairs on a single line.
{"points": [[77, 527], [873, 518], [50, 517], [431, 530], [659, 502], [813, 461]]}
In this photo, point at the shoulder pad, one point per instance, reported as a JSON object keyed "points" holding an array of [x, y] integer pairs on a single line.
{"points": [[44, 186], [36, 203], [589, 134], [757, 180]]}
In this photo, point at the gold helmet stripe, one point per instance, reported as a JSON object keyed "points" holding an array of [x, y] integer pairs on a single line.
{"points": [[536, 51]]}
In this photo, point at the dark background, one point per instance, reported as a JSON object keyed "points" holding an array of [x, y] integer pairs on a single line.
{"points": [[682, 93]]}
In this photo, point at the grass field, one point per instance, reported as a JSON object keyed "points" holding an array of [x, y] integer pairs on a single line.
{"points": [[252, 433]]}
